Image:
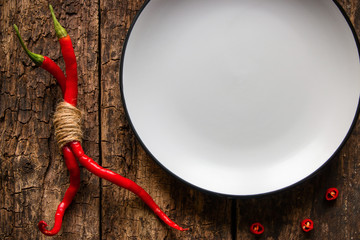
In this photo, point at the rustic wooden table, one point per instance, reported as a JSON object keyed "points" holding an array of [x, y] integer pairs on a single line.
{"points": [[34, 177]]}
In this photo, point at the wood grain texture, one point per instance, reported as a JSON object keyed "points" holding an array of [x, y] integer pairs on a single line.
{"points": [[34, 176], [281, 213]]}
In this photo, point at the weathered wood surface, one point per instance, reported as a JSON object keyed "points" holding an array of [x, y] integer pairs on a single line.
{"points": [[34, 177]]}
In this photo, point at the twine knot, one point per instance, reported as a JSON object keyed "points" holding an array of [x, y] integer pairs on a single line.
{"points": [[67, 123]]}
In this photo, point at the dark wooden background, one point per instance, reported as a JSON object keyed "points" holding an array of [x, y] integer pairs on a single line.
{"points": [[34, 177]]}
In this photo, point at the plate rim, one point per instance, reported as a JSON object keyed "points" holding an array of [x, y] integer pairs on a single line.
{"points": [[148, 152]]}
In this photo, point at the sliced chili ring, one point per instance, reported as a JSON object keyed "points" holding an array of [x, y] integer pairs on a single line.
{"points": [[257, 228], [307, 225], [331, 194]]}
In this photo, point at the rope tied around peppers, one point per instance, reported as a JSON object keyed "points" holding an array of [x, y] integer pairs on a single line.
{"points": [[67, 124]]}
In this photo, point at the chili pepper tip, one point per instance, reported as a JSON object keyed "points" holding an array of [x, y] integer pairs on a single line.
{"points": [[60, 31], [36, 58], [183, 229], [42, 224]]}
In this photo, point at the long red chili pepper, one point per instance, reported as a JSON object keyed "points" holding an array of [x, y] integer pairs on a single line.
{"points": [[121, 181], [68, 85], [70, 161], [70, 193]]}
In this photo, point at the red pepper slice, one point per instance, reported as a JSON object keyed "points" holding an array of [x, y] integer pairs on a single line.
{"points": [[307, 225], [257, 228], [331, 194]]}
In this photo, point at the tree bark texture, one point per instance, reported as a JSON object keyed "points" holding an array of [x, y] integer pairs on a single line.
{"points": [[34, 177]]}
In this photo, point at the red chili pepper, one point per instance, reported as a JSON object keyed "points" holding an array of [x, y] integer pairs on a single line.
{"points": [[68, 86], [331, 194], [307, 225], [257, 228], [121, 181], [70, 193]]}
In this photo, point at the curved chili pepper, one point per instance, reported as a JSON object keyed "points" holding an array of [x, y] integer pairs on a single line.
{"points": [[331, 194], [257, 228], [307, 225], [70, 193], [121, 181]]}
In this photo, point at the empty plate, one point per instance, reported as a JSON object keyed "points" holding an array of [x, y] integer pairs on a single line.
{"points": [[241, 97]]}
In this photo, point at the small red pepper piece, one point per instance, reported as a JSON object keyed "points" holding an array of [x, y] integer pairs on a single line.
{"points": [[60, 31], [257, 228], [331, 194], [121, 181], [307, 225]]}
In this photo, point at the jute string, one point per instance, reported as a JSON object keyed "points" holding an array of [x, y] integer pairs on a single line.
{"points": [[67, 123]]}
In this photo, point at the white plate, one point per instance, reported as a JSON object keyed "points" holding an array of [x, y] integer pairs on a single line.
{"points": [[241, 97]]}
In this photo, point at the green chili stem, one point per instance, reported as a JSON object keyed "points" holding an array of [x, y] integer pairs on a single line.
{"points": [[60, 31], [36, 58]]}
